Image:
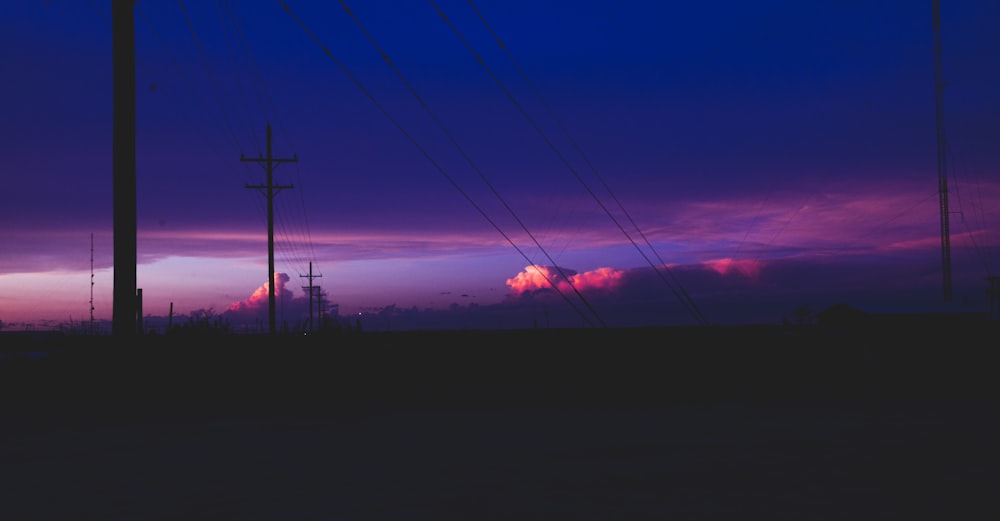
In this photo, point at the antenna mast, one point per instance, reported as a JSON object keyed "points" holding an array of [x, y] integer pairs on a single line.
{"points": [[939, 85]]}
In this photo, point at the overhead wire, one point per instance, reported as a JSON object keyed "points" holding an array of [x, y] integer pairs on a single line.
{"points": [[216, 85], [233, 141], [872, 231], [437, 166], [236, 74], [685, 297], [471, 163], [294, 240], [784, 225], [287, 249], [978, 218], [179, 109], [209, 72], [682, 296], [266, 103]]}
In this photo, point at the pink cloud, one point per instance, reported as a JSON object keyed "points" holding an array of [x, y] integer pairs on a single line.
{"points": [[535, 277], [259, 299], [747, 267]]}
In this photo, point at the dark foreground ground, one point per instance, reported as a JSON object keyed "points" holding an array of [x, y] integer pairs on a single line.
{"points": [[747, 423]]}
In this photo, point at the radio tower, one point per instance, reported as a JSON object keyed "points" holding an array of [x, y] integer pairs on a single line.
{"points": [[942, 146]]}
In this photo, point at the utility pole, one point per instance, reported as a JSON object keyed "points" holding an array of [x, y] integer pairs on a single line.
{"points": [[942, 146], [321, 311], [138, 315], [270, 190], [994, 294], [123, 312], [312, 291]]}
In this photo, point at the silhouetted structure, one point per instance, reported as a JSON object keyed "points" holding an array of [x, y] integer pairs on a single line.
{"points": [[123, 168], [270, 190], [313, 292], [994, 295], [138, 311], [942, 146]]}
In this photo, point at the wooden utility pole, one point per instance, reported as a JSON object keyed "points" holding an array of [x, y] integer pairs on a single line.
{"points": [[138, 312], [312, 291], [124, 314], [994, 294], [270, 190]]}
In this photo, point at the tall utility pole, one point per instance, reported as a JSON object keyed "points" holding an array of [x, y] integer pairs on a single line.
{"points": [[312, 291], [994, 294], [942, 146], [123, 315], [270, 190]]}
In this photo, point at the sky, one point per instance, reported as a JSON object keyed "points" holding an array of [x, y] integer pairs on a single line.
{"points": [[503, 164]]}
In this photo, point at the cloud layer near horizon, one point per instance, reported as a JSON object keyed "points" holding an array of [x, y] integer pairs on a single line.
{"points": [[720, 291], [761, 152]]}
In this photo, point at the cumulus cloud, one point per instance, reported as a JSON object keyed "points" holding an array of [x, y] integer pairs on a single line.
{"points": [[259, 298], [537, 278], [722, 291], [290, 308]]}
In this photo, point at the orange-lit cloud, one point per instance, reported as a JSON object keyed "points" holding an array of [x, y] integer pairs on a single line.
{"points": [[534, 278], [747, 267], [259, 298]]}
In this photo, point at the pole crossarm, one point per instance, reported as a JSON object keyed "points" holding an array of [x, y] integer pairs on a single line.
{"points": [[275, 188], [313, 292], [269, 163]]}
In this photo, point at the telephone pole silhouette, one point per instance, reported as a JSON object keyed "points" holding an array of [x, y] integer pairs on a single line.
{"points": [[994, 294], [124, 310], [270, 190], [312, 292]]}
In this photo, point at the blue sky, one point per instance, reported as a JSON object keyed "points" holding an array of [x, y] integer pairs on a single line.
{"points": [[757, 156]]}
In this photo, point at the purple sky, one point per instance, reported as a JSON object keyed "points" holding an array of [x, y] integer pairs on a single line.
{"points": [[742, 159]]}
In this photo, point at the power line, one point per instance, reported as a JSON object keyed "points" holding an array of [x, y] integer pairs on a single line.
{"points": [[469, 160], [238, 47], [270, 190], [294, 224], [683, 296], [236, 74], [209, 72], [939, 85], [978, 215], [421, 149], [312, 290]]}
